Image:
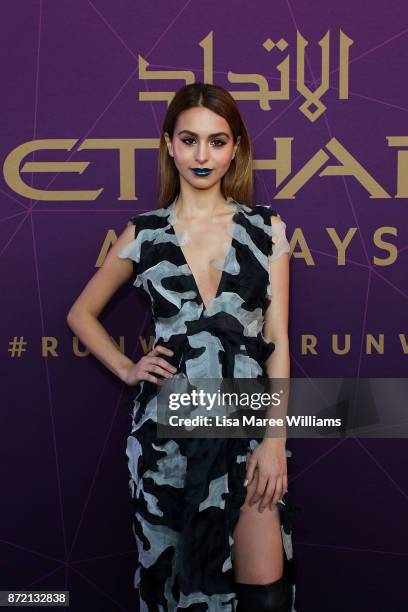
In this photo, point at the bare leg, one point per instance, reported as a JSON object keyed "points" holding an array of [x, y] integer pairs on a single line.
{"points": [[258, 548]]}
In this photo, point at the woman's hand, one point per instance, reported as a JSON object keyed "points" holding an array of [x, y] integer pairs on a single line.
{"points": [[267, 464], [152, 362]]}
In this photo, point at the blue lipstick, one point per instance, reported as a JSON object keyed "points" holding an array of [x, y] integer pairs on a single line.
{"points": [[201, 171]]}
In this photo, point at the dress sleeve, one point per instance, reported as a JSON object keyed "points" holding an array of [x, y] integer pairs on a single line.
{"points": [[280, 243], [277, 246], [132, 250]]}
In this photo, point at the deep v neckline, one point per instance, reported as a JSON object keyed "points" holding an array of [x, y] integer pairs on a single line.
{"points": [[233, 223]]}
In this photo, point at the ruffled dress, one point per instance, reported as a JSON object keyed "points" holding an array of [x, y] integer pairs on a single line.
{"points": [[186, 493]]}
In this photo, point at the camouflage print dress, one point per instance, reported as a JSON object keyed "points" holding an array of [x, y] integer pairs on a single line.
{"points": [[186, 493]]}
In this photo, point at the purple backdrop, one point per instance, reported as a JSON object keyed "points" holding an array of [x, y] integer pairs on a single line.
{"points": [[70, 70]]}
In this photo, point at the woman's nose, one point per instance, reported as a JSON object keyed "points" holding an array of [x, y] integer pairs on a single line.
{"points": [[201, 153]]}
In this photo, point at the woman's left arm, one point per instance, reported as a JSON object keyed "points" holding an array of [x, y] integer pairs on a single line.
{"points": [[270, 455]]}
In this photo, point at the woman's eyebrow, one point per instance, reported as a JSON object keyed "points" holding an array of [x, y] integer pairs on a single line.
{"points": [[210, 135]]}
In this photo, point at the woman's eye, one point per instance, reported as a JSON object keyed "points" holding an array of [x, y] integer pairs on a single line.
{"points": [[218, 143]]}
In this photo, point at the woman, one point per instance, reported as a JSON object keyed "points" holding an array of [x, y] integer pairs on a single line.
{"points": [[211, 526]]}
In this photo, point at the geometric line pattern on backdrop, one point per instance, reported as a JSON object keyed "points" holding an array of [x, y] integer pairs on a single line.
{"points": [[29, 214]]}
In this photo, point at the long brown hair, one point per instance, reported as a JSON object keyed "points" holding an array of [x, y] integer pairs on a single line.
{"points": [[237, 182]]}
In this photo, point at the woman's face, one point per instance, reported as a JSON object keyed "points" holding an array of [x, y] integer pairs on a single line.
{"points": [[201, 139]]}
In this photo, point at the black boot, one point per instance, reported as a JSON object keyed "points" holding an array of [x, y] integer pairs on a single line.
{"points": [[273, 597]]}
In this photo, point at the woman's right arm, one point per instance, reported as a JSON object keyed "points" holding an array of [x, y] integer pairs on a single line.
{"points": [[83, 315]]}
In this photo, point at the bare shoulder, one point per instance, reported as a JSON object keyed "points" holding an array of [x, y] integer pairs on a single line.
{"points": [[275, 218], [114, 265], [124, 238]]}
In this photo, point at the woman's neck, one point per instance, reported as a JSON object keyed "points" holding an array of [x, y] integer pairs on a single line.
{"points": [[192, 206]]}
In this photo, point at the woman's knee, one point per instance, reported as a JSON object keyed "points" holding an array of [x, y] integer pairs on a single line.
{"points": [[258, 546]]}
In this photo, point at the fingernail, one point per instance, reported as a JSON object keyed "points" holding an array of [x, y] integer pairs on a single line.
{"points": [[246, 482]]}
